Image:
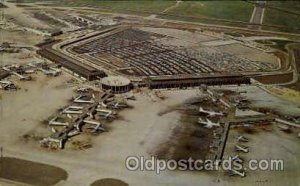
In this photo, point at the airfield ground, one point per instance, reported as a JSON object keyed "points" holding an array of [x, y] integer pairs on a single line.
{"points": [[284, 15], [159, 122], [137, 133]]}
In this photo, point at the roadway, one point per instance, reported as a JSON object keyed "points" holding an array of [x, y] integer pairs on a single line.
{"points": [[258, 14]]}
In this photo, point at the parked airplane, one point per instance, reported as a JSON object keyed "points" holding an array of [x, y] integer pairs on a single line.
{"points": [[73, 133], [29, 71], [208, 123], [91, 115], [80, 99], [102, 105], [58, 71], [106, 113], [242, 149], [91, 122], [130, 97], [49, 72], [72, 110], [69, 116], [210, 113], [54, 122], [116, 105], [83, 89], [22, 77], [237, 158], [283, 127], [53, 130], [7, 85], [60, 142], [61, 137], [6, 69], [236, 172], [76, 107], [98, 126], [242, 139]]}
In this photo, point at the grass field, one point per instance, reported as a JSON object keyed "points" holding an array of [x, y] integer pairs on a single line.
{"points": [[290, 21], [198, 11], [231, 10], [151, 6], [30, 173], [288, 5], [214, 9]]}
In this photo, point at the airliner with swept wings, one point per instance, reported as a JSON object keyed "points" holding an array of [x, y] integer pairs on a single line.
{"points": [[208, 123], [210, 113]]}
